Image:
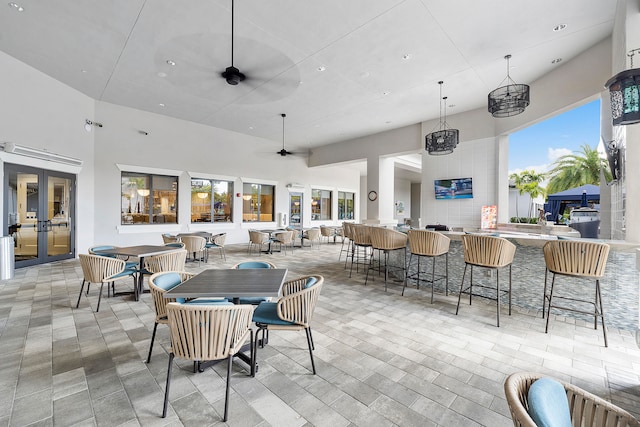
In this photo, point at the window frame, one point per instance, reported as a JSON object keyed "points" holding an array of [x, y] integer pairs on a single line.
{"points": [[147, 193], [220, 217], [344, 211], [256, 198], [325, 204]]}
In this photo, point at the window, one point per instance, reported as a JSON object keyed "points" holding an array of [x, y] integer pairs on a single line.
{"points": [[149, 199], [257, 202], [320, 204], [211, 200], [346, 203]]}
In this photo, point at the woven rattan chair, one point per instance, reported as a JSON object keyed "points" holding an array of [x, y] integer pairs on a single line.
{"points": [[361, 235], [168, 238], [257, 238], [348, 250], [170, 261], [384, 241], [327, 232], [208, 332], [217, 242], [195, 245], [159, 301], [102, 269], [430, 244], [292, 312], [577, 259], [586, 409], [312, 235], [284, 239], [488, 252]]}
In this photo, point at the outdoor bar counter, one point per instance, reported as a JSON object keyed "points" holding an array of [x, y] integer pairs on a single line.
{"points": [[620, 284]]}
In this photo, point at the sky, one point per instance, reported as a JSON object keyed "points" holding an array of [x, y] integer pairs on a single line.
{"points": [[538, 146]]}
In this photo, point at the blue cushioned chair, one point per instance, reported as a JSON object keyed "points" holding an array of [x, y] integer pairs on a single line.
{"points": [[584, 408], [292, 312], [216, 242], [253, 264], [160, 283]]}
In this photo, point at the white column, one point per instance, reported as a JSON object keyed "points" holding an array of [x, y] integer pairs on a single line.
{"points": [[380, 179], [502, 181]]}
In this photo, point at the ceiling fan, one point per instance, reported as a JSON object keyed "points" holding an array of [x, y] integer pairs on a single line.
{"points": [[232, 75], [283, 152]]}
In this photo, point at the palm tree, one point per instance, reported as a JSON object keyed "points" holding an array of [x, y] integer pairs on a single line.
{"points": [[574, 170], [528, 181]]}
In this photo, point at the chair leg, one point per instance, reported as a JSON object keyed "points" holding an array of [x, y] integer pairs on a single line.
{"points": [[406, 276], [252, 349], [433, 277], [446, 273], [553, 280], [461, 288], [313, 346], [498, 297], [100, 296], [153, 337], [80, 294], [599, 302], [166, 389], [309, 342], [226, 395], [544, 293]]}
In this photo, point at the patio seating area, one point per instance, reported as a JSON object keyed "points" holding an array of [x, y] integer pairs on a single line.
{"points": [[382, 359]]}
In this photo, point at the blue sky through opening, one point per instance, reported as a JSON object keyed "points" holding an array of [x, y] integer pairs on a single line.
{"points": [[538, 146]]}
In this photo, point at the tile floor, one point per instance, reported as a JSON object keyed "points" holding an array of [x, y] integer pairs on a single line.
{"points": [[382, 359]]}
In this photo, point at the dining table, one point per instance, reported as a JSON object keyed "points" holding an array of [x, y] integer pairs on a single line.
{"points": [[234, 283], [139, 251]]}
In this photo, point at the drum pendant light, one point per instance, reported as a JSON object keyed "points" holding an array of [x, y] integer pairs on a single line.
{"points": [[444, 140], [510, 99]]}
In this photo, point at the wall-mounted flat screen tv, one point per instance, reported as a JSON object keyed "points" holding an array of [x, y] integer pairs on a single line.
{"points": [[457, 188]]}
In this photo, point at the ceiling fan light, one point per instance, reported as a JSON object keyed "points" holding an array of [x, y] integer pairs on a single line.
{"points": [[233, 75]]}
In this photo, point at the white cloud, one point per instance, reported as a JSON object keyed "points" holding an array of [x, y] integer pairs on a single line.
{"points": [[555, 153]]}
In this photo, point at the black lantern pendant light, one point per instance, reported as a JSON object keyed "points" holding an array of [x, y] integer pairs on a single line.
{"points": [[624, 91], [444, 140], [510, 99]]}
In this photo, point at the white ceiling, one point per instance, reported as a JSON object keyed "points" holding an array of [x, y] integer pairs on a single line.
{"points": [[117, 51]]}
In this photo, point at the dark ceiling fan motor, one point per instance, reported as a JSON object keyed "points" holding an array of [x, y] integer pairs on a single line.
{"points": [[233, 75]]}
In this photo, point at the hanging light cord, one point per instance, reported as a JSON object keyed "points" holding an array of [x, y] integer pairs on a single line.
{"points": [[232, 27], [283, 116], [441, 122]]}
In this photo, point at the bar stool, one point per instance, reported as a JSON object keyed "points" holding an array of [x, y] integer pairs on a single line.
{"points": [[384, 241], [361, 243], [488, 252], [430, 244], [579, 259], [345, 239]]}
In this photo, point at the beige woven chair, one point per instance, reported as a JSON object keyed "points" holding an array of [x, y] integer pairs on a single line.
{"points": [[168, 238], [384, 241], [101, 269], [312, 235], [160, 302], [327, 232], [170, 261], [586, 409], [217, 242], [430, 244], [488, 252], [346, 238], [284, 239], [361, 237], [292, 312], [578, 259], [208, 332], [257, 238], [195, 245]]}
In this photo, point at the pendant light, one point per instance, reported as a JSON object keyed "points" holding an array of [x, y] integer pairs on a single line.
{"points": [[510, 99], [444, 140], [624, 91]]}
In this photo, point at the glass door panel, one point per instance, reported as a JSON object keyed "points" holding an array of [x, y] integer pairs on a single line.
{"points": [[39, 207], [295, 211]]}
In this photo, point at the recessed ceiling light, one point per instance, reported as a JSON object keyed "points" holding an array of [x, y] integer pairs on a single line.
{"points": [[83, 71], [251, 127], [555, 61], [388, 122], [559, 27], [385, 93], [171, 62], [16, 6], [407, 56], [161, 105], [322, 68], [162, 74]]}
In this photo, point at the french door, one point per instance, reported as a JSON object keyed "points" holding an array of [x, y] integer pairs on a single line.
{"points": [[295, 211], [39, 206]]}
